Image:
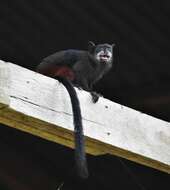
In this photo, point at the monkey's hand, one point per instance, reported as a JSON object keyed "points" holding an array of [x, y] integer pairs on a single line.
{"points": [[78, 86], [95, 96]]}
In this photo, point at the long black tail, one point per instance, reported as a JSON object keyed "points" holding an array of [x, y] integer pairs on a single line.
{"points": [[80, 156]]}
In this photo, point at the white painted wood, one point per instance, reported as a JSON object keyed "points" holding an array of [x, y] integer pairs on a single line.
{"points": [[4, 84], [41, 106]]}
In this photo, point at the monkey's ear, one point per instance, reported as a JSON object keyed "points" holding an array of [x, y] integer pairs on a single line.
{"points": [[91, 46], [90, 43], [113, 45]]}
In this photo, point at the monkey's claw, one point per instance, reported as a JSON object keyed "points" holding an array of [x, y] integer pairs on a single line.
{"points": [[95, 96]]}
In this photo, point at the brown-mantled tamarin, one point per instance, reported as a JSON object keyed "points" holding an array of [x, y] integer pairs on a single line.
{"points": [[81, 69]]}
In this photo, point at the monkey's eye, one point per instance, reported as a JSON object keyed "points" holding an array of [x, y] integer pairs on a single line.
{"points": [[98, 50], [109, 49]]}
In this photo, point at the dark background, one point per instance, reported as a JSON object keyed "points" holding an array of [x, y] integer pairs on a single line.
{"points": [[32, 30]]}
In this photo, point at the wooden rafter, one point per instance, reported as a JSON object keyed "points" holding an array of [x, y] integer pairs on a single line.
{"points": [[41, 106]]}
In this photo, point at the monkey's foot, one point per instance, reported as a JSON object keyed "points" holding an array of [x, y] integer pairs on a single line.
{"points": [[95, 96], [78, 86]]}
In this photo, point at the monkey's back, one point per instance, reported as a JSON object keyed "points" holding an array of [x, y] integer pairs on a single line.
{"points": [[77, 65]]}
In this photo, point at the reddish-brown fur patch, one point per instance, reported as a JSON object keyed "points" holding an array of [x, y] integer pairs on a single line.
{"points": [[65, 72], [53, 71]]}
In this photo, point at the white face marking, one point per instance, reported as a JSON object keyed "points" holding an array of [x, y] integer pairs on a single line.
{"points": [[104, 56]]}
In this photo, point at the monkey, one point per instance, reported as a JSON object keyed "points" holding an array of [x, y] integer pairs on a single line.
{"points": [[81, 69]]}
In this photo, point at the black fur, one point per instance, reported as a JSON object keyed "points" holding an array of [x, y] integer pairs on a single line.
{"points": [[80, 157], [87, 68]]}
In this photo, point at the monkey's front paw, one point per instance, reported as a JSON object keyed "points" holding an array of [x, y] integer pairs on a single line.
{"points": [[80, 88], [95, 96], [77, 86]]}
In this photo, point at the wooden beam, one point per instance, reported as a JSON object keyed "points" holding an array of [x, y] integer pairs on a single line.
{"points": [[41, 106]]}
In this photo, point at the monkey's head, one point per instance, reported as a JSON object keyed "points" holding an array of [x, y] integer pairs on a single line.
{"points": [[103, 53]]}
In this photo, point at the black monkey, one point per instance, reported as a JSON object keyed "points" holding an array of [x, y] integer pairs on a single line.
{"points": [[81, 69]]}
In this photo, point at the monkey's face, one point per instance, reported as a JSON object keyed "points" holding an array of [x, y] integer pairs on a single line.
{"points": [[103, 53]]}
